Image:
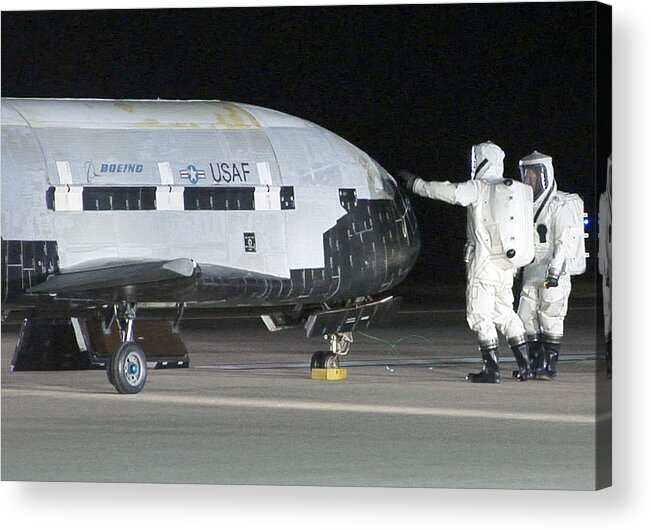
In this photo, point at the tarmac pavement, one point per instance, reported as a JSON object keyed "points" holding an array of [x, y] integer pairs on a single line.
{"points": [[247, 412]]}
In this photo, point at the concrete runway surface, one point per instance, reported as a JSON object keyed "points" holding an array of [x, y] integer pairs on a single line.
{"points": [[247, 412]]}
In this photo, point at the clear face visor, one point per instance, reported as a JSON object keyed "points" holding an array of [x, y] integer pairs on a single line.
{"points": [[535, 176], [475, 164]]}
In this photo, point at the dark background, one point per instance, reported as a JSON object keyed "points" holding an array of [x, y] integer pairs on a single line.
{"points": [[412, 85]]}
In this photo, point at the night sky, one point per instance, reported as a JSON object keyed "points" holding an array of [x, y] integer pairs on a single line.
{"points": [[412, 85]]}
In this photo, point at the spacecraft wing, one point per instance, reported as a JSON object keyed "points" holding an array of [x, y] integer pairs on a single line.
{"points": [[109, 276]]}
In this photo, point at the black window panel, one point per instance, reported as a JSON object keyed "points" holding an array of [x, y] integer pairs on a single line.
{"points": [[231, 198], [49, 198], [348, 198], [287, 198], [119, 198]]}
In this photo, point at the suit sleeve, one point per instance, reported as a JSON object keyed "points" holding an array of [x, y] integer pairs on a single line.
{"points": [[463, 194]]}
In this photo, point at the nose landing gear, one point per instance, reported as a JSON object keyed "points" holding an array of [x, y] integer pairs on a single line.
{"points": [[324, 359], [325, 364]]}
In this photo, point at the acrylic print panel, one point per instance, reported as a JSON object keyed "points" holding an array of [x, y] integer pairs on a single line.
{"points": [[133, 348]]}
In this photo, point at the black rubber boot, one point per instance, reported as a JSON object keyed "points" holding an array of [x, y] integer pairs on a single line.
{"points": [[536, 358], [523, 373], [551, 351], [609, 356], [490, 372]]}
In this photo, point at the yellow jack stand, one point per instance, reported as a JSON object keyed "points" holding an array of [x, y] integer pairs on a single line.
{"points": [[330, 374]]}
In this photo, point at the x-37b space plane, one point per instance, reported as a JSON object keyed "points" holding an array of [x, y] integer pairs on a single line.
{"points": [[117, 210]]}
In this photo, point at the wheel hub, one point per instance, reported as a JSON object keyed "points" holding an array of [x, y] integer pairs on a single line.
{"points": [[133, 369]]}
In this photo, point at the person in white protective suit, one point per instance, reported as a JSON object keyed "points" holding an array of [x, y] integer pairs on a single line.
{"points": [[559, 253], [606, 262], [500, 240]]}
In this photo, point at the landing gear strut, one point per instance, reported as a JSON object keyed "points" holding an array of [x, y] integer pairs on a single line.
{"points": [[127, 368]]}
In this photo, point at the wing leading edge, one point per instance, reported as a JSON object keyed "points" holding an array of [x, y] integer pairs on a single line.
{"points": [[116, 276], [178, 280]]}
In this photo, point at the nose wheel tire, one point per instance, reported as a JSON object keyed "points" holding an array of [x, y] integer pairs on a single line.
{"points": [[109, 372], [127, 369], [324, 359]]}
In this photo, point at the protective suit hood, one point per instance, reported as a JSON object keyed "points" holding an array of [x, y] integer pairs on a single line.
{"points": [[542, 165], [487, 162]]}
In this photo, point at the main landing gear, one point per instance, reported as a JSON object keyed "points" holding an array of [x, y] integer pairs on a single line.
{"points": [[127, 368]]}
